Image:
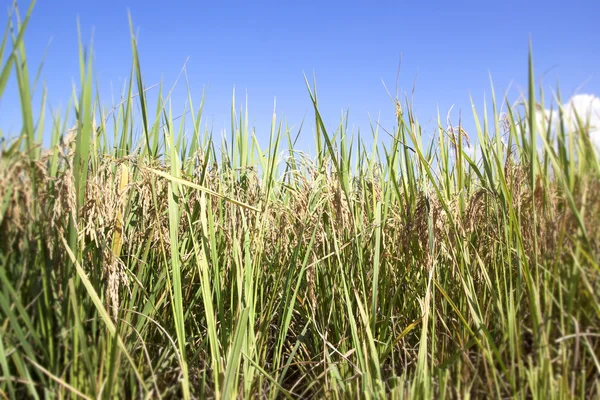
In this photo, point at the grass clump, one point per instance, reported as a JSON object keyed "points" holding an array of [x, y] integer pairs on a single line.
{"points": [[164, 268]]}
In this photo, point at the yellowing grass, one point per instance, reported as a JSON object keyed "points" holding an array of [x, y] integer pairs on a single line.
{"points": [[163, 268]]}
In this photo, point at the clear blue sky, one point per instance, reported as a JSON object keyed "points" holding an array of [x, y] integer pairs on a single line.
{"points": [[450, 48]]}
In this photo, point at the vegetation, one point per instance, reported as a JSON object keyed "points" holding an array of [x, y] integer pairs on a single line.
{"points": [[151, 266]]}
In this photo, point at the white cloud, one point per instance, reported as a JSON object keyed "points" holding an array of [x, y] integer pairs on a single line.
{"points": [[584, 106]]}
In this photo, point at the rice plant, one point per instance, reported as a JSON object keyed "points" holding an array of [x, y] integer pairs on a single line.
{"points": [[138, 262]]}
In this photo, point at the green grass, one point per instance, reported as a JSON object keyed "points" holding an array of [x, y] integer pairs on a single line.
{"points": [[163, 267]]}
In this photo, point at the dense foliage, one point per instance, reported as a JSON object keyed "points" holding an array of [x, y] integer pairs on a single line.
{"points": [[163, 267]]}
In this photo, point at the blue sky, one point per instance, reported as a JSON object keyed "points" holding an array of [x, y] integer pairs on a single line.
{"points": [[263, 48]]}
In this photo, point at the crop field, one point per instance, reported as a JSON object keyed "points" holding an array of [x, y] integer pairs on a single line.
{"points": [[144, 257]]}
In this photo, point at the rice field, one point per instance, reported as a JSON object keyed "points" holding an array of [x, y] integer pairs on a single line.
{"points": [[145, 258]]}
